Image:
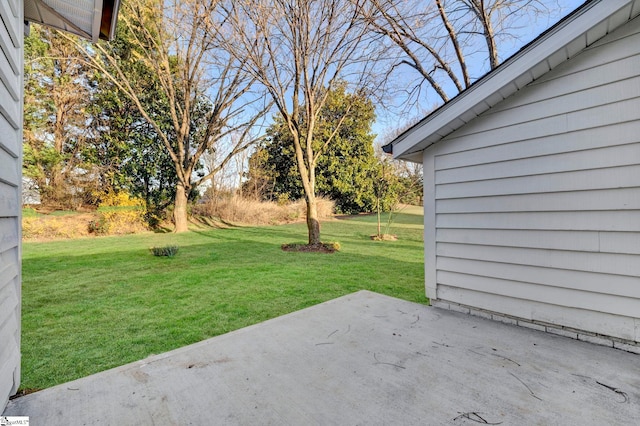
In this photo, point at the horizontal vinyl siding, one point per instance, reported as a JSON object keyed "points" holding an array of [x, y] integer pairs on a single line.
{"points": [[10, 239], [603, 263], [537, 202], [543, 146], [594, 200], [581, 180], [532, 310], [9, 203], [620, 221], [11, 140], [624, 306], [607, 157], [571, 279], [9, 168], [10, 161]]}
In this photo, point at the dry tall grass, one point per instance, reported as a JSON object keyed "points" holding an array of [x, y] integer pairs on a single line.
{"points": [[46, 227], [245, 211]]}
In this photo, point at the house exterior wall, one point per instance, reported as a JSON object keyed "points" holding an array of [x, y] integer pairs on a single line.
{"points": [[532, 210], [11, 63]]}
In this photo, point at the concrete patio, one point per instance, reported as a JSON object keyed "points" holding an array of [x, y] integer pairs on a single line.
{"points": [[363, 359]]}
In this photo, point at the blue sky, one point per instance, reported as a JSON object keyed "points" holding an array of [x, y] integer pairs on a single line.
{"points": [[387, 123]]}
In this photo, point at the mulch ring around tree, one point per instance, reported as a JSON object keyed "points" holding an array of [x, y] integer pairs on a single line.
{"points": [[312, 248]]}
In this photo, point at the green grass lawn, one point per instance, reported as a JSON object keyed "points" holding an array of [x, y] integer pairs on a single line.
{"points": [[96, 303]]}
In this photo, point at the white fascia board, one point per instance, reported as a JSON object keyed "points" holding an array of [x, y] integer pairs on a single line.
{"points": [[114, 19], [97, 20], [440, 123]]}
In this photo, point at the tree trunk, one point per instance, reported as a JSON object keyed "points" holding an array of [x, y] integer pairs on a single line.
{"points": [[313, 224], [180, 209], [378, 211]]}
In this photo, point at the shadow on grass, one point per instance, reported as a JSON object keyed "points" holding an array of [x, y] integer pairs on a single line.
{"points": [[162, 230]]}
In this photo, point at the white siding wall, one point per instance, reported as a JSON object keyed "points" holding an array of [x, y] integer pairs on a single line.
{"points": [[535, 210], [11, 35]]}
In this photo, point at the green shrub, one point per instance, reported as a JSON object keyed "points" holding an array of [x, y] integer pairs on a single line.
{"points": [[168, 251], [335, 246], [98, 227]]}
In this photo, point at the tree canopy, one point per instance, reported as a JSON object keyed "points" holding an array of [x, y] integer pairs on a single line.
{"points": [[346, 170], [299, 51], [59, 89], [208, 97], [183, 92]]}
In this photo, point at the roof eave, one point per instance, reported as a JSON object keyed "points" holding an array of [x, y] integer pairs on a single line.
{"points": [[102, 25], [586, 25], [108, 19]]}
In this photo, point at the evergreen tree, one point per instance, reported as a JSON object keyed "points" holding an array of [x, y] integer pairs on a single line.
{"points": [[205, 99], [128, 149], [344, 172]]}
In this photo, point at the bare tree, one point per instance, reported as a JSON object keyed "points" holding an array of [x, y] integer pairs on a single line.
{"points": [[209, 94], [442, 39], [225, 176], [299, 50]]}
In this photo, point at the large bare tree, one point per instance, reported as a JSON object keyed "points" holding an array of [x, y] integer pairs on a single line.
{"points": [[210, 96], [299, 50], [450, 43]]}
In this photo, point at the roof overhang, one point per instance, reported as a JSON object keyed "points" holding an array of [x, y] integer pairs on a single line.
{"points": [[91, 19], [583, 27]]}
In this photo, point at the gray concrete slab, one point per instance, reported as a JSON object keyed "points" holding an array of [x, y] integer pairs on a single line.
{"points": [[363, 359]]}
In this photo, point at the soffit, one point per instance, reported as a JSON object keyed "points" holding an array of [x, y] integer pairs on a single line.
{"points": [[91, 19]]}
